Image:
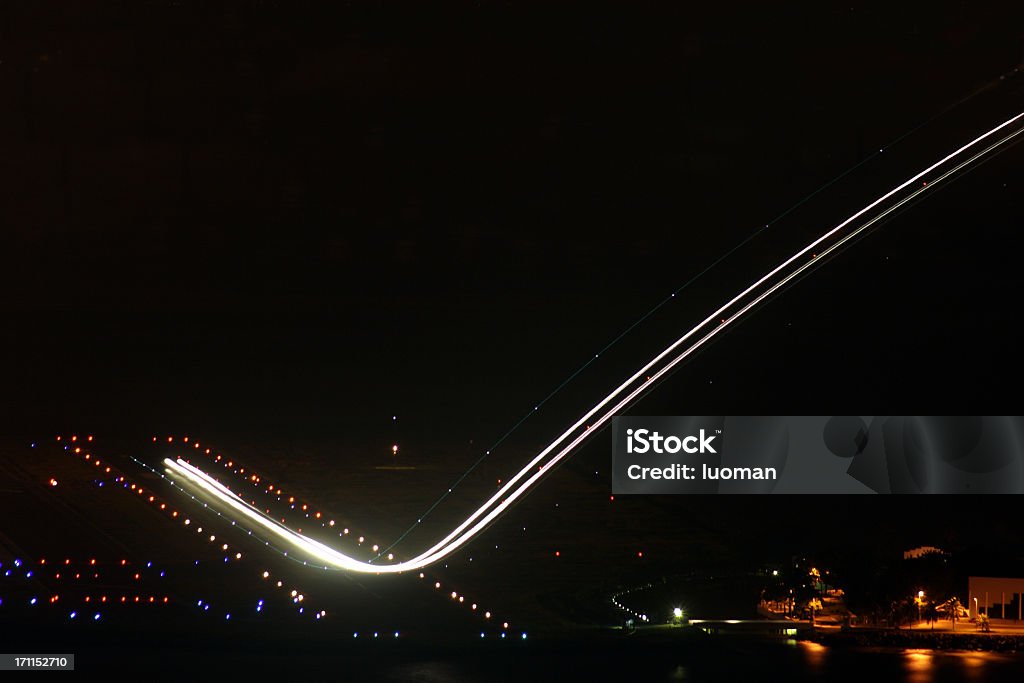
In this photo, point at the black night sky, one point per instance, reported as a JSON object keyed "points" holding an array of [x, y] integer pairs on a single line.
{"points": [[224, 215], [286, 223]]}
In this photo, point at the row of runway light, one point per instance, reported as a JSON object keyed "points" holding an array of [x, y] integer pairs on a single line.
{"points": [[228, 553], [69, 570], [629, 610], [247, 476], [40, 575], [627, 392]]}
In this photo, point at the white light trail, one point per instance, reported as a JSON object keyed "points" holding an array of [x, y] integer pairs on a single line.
{"points": [[492, 508]]}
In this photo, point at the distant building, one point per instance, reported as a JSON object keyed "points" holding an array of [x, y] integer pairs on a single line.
{"points": [[915, 553], [996, 598]]}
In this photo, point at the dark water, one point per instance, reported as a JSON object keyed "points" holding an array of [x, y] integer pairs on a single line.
{"points": [[731, 660]]}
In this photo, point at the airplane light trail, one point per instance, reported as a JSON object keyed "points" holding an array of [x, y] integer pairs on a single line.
{"points": [[715, 323]]}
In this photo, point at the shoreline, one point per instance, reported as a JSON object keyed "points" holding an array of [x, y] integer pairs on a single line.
{"points": [[931, 640]]}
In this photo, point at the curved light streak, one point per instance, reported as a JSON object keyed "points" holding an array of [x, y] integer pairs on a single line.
{"points": [[492, 508]]}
